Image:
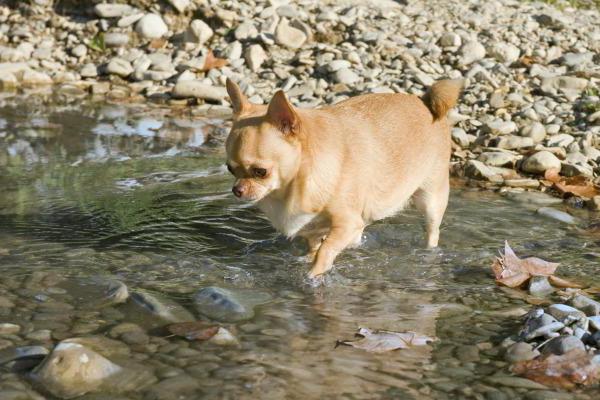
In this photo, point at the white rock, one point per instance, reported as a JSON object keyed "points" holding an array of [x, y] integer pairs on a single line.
{"points": [[471, 52], [234, 51], [151, 26], [535, 130], [288, 36], [129, 20], [118, 66], [460, 137], [187, 89], [514, 142], [246, 30], [116, 39], [8, 80], [180, 5], [34, 78], [110, 10], [540, 162], [79, 51], [336, 65], [198, 32], [559, 216], [255, 56], [560, 140], [500, 127], [346, 76], [496, 159], [505, 53], [450, 39], [89, 71]]}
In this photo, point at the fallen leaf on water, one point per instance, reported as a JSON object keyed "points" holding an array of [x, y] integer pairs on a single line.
{"points": [[577, 367], [211, 62], [382, 341], [576, 185], [198, 330], [512, 271], [563, 283]]}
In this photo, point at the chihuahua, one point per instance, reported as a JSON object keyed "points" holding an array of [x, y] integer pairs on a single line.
{"points": [[324, 174]]}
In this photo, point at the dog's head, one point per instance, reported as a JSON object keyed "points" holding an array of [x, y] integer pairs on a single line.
{"points": [[263, 147]]}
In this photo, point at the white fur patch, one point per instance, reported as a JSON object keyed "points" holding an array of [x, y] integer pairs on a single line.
{"points": [[284, 221]]}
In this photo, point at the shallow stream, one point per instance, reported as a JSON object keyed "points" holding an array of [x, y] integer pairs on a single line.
{"points": [[140, 194]]}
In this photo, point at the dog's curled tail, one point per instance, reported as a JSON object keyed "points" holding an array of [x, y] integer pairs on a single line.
{"points": [[442, 96]]}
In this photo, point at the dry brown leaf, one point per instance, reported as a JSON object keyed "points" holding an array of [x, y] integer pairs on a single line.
{"points": [[512, 271], [383, 341], [157, 43], [211, 62], [576, 185], [198, 330], [577, 367], [563, 283]]}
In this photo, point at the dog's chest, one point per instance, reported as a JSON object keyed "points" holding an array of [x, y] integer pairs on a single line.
{"points": [[286, 221]]}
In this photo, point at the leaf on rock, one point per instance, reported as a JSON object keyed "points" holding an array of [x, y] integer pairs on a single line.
{"points": [[211, 62], [575, 185], [383, 341], [198, 330], [512, 271], [576, 367], [156, 44]]}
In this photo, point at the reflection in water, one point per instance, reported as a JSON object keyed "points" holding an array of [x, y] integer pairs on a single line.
{"points": [[143, 197]]}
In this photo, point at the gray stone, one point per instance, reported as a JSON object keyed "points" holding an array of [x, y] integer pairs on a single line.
{"points": [[227, 305], [565, 313], [288, 36], [557, 215], [89, 71], [547, 395], [336, 65], [520, 351], [561, 140], [570, 86], [539, 286], [540, 162], [497, 159], [535, 131], [120, 67], [246, 30], [500, 127], [187, 89], [161, 307], [540, 324], [346, 76], [578, 60], [128, 20], [588, 306], [468, 353], [563, 344], [255, 56], [178, 387], [513, 381], [478, 170], [151, 26], [198, 32], [510, 142], [116, 39], [110, 10], [22, 353]]}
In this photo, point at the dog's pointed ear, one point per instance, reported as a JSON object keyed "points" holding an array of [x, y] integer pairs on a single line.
{"points": [[281, 113], [239, 102]]}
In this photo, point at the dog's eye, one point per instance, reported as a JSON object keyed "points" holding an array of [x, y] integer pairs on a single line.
{"points": [[259, 172], [230, 169]]}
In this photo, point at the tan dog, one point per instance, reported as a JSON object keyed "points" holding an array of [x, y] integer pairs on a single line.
{"points": [[324, 174]]}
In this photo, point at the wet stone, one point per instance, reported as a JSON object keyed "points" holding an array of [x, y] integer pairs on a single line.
{"points": [[539, 286], [228, 305], [520, 351], [588, 306], [20, 353], [563, 344], [566, 314], [468, 353], [176, 387], [162, 307]]}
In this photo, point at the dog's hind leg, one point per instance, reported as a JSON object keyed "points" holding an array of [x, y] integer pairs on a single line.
{"points": [[431, 199]]}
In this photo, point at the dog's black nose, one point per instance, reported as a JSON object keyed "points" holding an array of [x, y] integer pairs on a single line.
{"points": [[238, 192]]}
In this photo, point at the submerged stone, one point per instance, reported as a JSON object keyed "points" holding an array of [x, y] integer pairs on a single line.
{"points": [[227, 305], [162, 307]]}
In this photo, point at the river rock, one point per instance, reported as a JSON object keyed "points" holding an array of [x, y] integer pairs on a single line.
{"points": [[570, 86], [79, 51], [187, 89], [120, 67], [346, 76], [89, 71], [538, 324], [588, 306], [161, 307], [255, 56], [539, 286], [228, 305], [540, 162], [112, 10], [34, 78], [288, 36], [565, 313], [450, 39], [72, 370], [563, 344], [22, 353], [9, 329], [116, 39], [151, 26], [556, 215], [180, 5], [198, 32], [505, 53], [520, 351]]}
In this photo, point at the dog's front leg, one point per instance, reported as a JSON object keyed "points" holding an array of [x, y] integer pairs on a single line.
{"points": [[343, 233]]}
